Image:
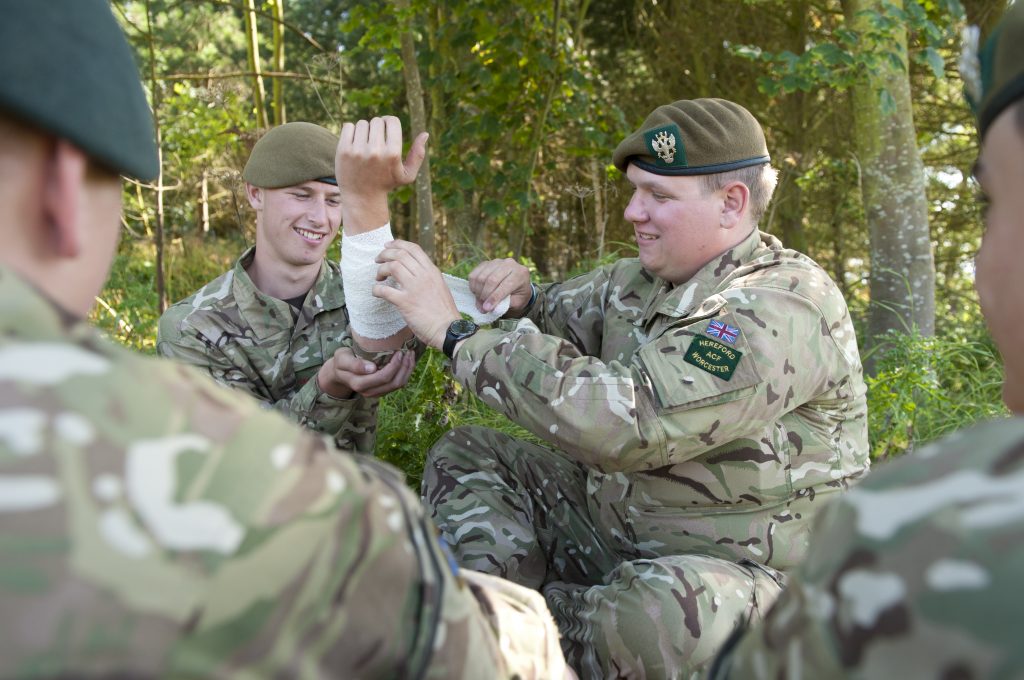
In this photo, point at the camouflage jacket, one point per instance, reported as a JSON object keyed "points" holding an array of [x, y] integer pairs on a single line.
{"points": [[711, 414], [248, 340], [155, 524], [913, 574]]}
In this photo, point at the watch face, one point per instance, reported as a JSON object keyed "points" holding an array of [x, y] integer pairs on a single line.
{"points": [[463, 327]]}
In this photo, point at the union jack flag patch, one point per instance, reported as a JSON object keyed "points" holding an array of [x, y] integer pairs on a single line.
{"points": [[717, 329]]}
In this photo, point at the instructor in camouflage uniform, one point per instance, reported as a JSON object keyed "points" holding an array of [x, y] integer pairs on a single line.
{"points": [[276, 325], [703, 401], [917, 572], [153, 524]]}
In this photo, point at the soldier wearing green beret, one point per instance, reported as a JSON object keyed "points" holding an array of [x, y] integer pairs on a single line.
{"points": [[276, 325], [152, 523], [916, 572], [702, 402]]}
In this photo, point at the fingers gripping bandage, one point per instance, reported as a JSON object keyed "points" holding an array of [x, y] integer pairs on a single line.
{"points": [[372, 317]]}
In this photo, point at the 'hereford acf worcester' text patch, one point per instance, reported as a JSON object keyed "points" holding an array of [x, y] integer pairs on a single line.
{"points": [[712, 356]]}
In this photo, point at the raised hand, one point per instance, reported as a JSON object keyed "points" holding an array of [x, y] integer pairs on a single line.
{"points": [[368, 165]]}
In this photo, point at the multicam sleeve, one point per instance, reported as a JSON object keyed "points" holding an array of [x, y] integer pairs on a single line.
{"points": [[342, 557], [915, 572], [174, 529], [573, 310], [663, 405]]}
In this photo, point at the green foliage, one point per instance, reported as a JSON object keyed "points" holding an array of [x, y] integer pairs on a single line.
{"points": [[841, 57], [927, 387]]}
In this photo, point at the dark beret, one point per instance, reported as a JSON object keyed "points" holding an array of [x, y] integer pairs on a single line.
{"points": [[994, 77], [694, 137], [291, 154], [66, 69]]}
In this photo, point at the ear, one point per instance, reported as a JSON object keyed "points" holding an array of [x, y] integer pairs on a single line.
{"points": [[62, 196], [735, 204], [255, 196]]}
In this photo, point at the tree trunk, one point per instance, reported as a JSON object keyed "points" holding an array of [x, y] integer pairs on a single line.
{"points": [[204, 202], [252, 49], [600, 219], [161, 288], [902, 281], [418, 122], [788, 209], [278, 89]]}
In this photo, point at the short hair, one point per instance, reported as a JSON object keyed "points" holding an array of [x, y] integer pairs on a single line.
{"points": [[759, 179]]}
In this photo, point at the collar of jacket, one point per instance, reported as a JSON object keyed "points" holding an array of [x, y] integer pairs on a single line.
{"points": [[683, 299], [268, 316], [28, 313]]}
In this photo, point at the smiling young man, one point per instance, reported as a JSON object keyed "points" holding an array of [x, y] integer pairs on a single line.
{"points": [[276, 325], [916, 573], [702, 401]]}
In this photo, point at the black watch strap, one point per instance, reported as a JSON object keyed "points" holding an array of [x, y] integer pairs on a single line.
{"points": [[460, 329]]}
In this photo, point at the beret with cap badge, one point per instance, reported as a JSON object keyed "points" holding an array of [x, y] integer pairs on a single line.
{"points": [[694, 137]]}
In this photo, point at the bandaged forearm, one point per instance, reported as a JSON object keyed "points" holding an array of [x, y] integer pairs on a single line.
{"points": [[369, 316], [374, 318]]}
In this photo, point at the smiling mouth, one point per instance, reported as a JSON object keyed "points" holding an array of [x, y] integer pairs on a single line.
{"points": [[645, 237], [309, 235]]}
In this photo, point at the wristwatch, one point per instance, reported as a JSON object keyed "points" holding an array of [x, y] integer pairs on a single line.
{"points": [[460, 329]]}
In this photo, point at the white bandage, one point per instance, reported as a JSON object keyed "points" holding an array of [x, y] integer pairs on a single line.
{"points": [[374, 318], [370, 317]]}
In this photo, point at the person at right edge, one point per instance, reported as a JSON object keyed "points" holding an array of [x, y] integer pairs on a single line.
{"points": [[701, 402], [152, 523], [916, 573]]}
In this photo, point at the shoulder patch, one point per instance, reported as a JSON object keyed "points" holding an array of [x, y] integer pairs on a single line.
{"points": [[712, 356]]}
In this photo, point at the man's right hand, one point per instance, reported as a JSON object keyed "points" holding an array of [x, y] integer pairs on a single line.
{"points": [[345, 373]]}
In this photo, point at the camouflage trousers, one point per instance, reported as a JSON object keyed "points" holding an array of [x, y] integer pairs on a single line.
{"points": [[521, 511]]}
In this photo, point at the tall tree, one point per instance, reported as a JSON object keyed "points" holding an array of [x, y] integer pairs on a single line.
{"points": [[892, 175], [278, 90], [418, 119], [252, 47]]}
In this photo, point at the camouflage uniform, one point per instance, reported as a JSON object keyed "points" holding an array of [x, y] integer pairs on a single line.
{"points": [[913, 574], [707, 421], [248, 340], [155, 524]]}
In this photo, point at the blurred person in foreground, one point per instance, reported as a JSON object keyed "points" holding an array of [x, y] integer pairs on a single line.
{"points": [[151, 522], [916, 572]]}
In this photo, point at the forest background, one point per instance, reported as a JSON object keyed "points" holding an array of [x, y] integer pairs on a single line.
{"points": [[861, 101]]}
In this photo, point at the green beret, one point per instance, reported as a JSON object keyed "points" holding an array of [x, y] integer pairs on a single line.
{"points": [[694, 137], [291, 154], [994, 78], [66, 69]]}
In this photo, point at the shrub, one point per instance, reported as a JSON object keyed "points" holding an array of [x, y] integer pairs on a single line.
{"points": [[927, 387]]}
